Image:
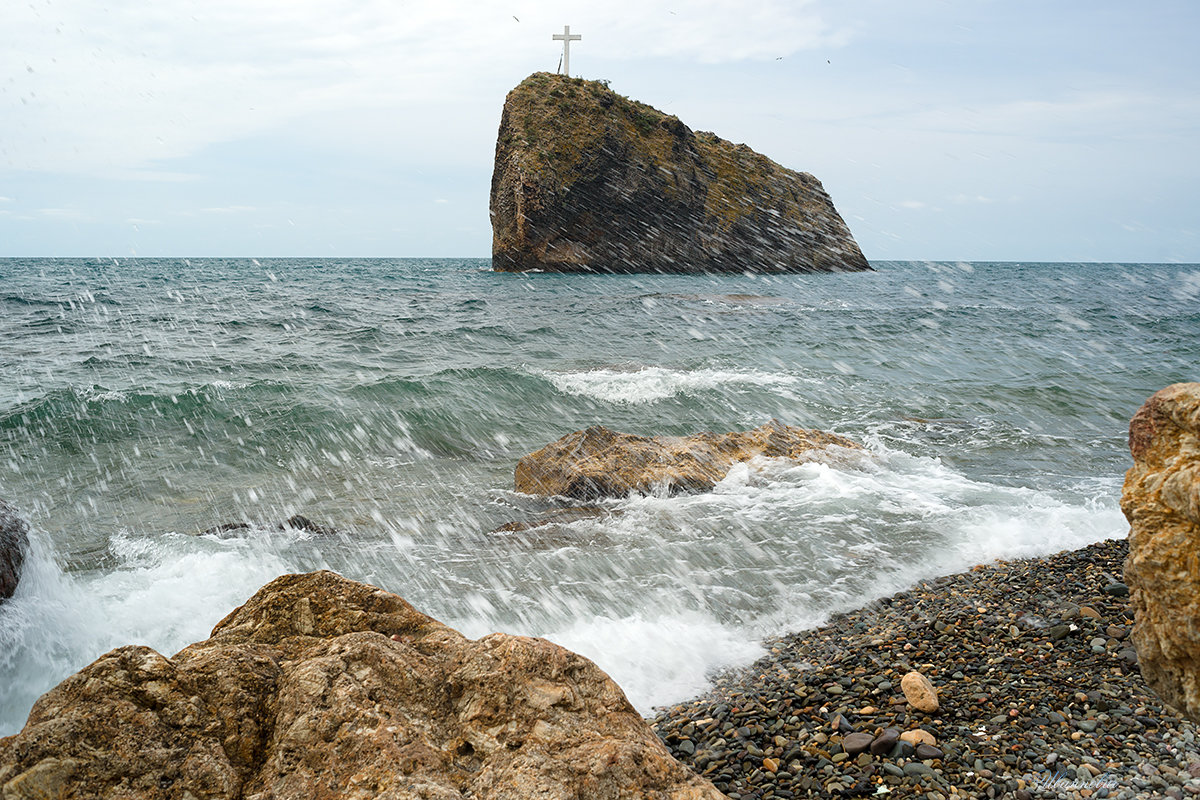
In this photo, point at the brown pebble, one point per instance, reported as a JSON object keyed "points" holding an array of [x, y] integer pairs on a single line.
{"points": [[917, 736], [919, 692]]}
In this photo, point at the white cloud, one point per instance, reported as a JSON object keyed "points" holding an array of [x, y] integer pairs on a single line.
{"points": [[114, 89]]}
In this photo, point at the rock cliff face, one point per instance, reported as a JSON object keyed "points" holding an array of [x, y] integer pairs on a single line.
{"points": [[597, 462], [589, 181], [14, 542], [320, 687], [1161, 499]]}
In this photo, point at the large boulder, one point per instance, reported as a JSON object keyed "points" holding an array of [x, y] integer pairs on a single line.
{"points": [[587, 180], [597, 462], [14, 542], [1161, 499], [321, 687]]}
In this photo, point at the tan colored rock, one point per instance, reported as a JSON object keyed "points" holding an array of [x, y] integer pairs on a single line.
{"points": [[919, 692], [320, 687], [918, 736], [1161, 500], [598, 462]]}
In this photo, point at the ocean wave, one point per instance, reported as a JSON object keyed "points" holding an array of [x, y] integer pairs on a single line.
{"points": [[651, 384], [803, 540]]}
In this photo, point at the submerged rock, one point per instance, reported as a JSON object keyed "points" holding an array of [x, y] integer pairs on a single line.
{"points": [[323, 687], [1161, 500], [300, 522], [552, 516], [14, 543], [297, 522], [586, 180], [597, 462]]}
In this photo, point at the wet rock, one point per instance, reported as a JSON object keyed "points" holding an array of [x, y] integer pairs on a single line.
{"points": [[553, 516], [297, 522], [597, 462], [1161, 500], [919, 692], [300, 522], [14, 543], [885, 741], [586, 180], [226, 527], [927, 752], [856, 743], [318, 681]]}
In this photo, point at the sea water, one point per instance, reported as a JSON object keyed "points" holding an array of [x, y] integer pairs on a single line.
{"points": [[147, 401]]}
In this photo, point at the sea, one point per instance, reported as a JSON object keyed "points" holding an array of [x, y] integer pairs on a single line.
{"points": [[146, 405]]}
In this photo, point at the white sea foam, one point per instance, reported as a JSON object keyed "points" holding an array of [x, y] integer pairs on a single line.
{"points": [[657, 383], [673, 589], [165, 593], [658, 660], [792, 543]]}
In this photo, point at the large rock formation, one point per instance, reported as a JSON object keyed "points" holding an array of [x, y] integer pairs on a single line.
{"points": [[597, 462], [14, 542], [587, 180], [1161, 499], [320, 687]]}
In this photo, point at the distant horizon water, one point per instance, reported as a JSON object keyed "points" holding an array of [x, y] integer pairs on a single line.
{"points": [[148, 401]]}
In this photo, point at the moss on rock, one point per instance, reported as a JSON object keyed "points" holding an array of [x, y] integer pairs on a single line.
{"points": [[589, 180]]}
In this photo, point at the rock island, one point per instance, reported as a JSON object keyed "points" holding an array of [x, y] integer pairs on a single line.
{"points": [[587, 180]]}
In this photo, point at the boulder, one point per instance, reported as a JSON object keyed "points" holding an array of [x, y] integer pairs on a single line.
{"points": [[1161, 500], [323, 687], [587, 180], [598, 462], [14, 543]]}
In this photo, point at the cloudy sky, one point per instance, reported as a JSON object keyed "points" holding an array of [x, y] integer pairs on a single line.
{"points": [[943, 129]]}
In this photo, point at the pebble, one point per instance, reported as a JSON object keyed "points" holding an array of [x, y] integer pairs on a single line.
{"points": [[926, 752], [885, 741], [917, 736], [1063, 694], [857, 743], [919, 692]]}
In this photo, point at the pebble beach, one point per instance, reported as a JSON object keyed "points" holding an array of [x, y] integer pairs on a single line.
{"points": [[1038, 695]]}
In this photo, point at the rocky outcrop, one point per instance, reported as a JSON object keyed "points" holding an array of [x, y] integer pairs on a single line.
{"points": [[598, 462], [320, 687], [14, 542], [1161, 500], [586, 180]]}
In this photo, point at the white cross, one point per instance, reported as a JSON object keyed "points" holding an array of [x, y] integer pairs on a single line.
{"points": [[566, 37]]}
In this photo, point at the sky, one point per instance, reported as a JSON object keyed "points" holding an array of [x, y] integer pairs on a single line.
{"points": [[1014, 130]]}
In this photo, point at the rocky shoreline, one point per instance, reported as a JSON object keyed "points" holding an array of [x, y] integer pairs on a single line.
{"points": [[1039, 688]]}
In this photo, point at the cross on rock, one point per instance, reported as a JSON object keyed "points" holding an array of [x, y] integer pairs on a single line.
{"points": [[566, 37]]}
